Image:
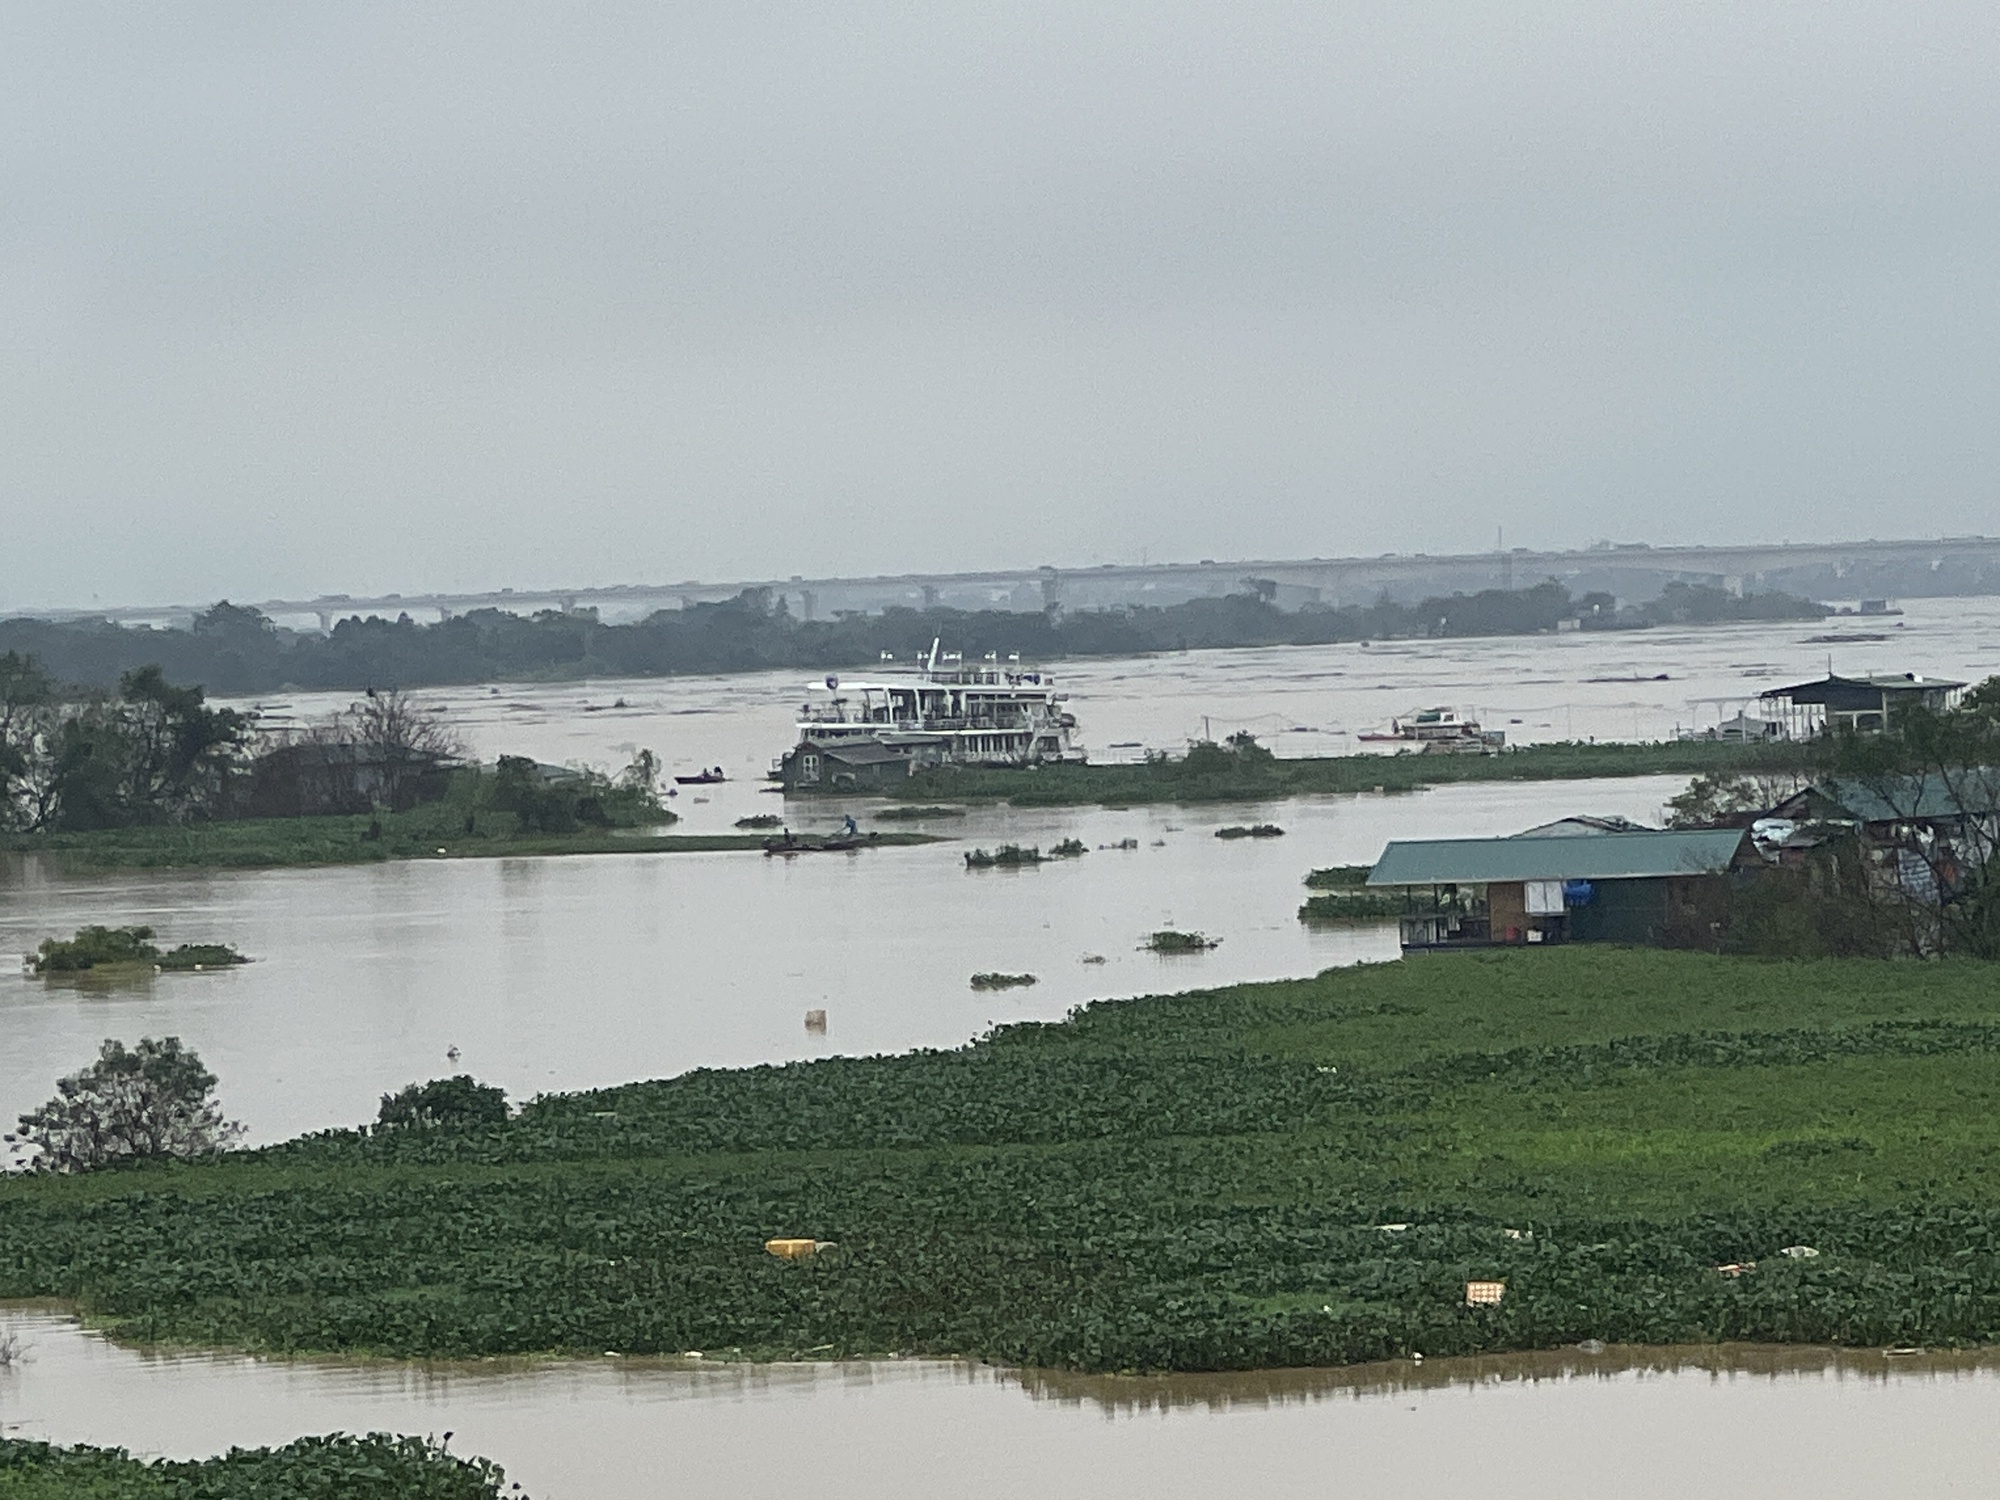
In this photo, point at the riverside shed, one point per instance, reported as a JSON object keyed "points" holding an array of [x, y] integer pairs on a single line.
{"points": [[1655, 888], [1862, 704]]}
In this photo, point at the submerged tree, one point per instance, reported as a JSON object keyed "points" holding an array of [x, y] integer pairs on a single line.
{"points": [[153, 1102]]}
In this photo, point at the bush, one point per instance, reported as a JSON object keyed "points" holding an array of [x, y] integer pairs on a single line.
{"points": [[153, 1102], [1256, 831], [443, 1103]]}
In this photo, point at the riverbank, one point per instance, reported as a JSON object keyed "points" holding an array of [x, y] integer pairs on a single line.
{"points": [[276, 842], [1224, 776], [1641, 1146], [355, 1468]]}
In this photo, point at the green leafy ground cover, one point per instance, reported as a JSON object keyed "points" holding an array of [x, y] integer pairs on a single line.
{"points": [[426, 833], [1200, 1181], [335, 1467], [1225, 777]]}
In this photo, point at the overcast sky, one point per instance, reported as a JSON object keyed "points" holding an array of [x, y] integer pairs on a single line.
{"points": [[301, 298]]}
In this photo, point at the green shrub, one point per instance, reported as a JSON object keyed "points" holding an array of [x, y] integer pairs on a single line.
{"points": [[454, 1102]]}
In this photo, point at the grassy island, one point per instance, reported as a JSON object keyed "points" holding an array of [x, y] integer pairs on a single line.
{"points": [[425, 833], [1246, 772], [1642, 1146]]}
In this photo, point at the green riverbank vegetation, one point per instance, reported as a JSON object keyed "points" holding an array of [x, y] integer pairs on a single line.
{"points": [[152, 775], [376, 1467], [1298, 1173], [1241, 770]]}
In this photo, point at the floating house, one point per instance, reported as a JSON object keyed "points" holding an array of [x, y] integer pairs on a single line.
{"points": [[1596, 885], [1864, 705]]}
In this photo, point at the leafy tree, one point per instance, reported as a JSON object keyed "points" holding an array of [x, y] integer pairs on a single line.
{"points": [[443, 1102], [155, 1101], [177, 749]]}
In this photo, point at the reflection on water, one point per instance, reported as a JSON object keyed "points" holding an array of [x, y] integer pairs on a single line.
{"points": [[1129, 1394], [1663, 1423]]}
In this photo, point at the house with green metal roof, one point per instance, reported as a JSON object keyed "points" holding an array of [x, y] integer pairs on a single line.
{"points": [[1655, 887]]}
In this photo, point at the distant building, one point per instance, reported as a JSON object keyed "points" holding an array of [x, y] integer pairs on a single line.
{"points": [[1864, 705], [857, 765], [1587, 885], [1925, 834]]}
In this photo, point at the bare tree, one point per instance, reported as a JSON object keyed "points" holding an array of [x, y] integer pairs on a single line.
{"points": [[155, 1101], [402, 739]]}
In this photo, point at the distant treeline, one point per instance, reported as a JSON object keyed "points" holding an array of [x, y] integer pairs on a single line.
{"points": [[231, 650]]}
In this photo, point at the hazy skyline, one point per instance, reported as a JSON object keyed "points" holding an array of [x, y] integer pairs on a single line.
{"points": [[373, 298]]}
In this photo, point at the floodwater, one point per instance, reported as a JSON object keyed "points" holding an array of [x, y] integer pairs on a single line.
{"points": [[1299, 700], [565, 973], [1677, 1424], [568, 973]]}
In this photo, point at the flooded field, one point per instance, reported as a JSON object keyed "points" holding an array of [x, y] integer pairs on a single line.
{"points": [[1668, 1423]]}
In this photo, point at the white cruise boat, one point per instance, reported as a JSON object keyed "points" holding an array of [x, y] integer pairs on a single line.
{"points": [[864, 735]]}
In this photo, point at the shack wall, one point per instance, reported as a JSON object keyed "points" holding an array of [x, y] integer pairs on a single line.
{"points": [[1621, 911], [1507, 907]]}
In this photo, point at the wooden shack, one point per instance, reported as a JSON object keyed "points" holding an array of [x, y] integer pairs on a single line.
{"points": [[1644, 888]]}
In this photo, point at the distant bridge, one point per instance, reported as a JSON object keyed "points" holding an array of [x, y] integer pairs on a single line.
{"points": [[1947, 565]]}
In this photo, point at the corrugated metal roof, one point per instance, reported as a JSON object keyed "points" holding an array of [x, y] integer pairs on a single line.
{"points": [[1604, 856], [1896, 683], [1896, 799]]}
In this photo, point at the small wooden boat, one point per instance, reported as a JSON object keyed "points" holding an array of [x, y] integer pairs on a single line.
{"points": [[706, 778], [839, 843]]}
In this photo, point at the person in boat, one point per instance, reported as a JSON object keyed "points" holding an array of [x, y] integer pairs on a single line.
{"points": [[852, 830]]}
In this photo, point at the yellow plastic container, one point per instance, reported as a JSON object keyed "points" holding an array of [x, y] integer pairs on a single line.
{"points": [[787, 1249]]}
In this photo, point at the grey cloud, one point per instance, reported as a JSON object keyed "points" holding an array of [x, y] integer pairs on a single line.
{"points": [[308, 298]]}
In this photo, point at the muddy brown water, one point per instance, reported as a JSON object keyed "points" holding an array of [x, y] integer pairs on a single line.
{"points": [[567, 973], [1668, 1423]]}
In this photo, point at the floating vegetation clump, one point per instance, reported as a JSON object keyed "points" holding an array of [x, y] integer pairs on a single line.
{"points": [[126, 948], [1254, 831], [1069, 849], [1338, 877], [1351, 906], [911, 814], [996, 981], [1006, 857], [1167, 940], [761, 820]]}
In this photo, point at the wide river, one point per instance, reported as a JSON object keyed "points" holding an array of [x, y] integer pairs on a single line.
{"points": [[565, 973], [546, 974]]}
